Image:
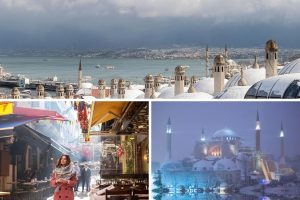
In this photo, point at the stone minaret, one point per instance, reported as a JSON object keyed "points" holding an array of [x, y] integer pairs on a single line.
{"points": [[79, 75], [15, 93], [271, 58], [219, 73], [191, 88], [169, 140], [69, 91], [206, 62], [282, 156], [60, 92], [153, 96], [179, 79], [121, 89], [255, 64], [242, 81], [257, 144], [226, 53], [113, 88], [101, 87], [149, 86], [157, 81], [40, 90]]}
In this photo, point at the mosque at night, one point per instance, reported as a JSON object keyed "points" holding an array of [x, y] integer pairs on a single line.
{"points": [[223, 161]]}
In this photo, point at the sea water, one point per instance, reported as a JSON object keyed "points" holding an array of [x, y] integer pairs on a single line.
{"points": [[66, 68]]}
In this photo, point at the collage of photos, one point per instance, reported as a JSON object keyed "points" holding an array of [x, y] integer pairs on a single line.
{"points": [[159, 100]]}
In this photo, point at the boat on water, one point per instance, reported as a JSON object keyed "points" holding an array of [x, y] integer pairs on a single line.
{"points": [[105, 67]]}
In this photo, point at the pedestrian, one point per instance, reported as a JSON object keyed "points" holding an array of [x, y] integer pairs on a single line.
{"points": [[86, 177], [63, 179], [78, 174]]}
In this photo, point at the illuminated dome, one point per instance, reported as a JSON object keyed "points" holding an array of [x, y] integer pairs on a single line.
{"points": [[203, 165], [283, 86], [225, 164], [225, 133], [290, 68], [172, 166]]}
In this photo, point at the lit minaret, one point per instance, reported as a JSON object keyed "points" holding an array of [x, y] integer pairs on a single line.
{"points": [[169, 140], [79, 75], [271, 58], [206, 61], [202, 136], [282, 158], [257, 143]]}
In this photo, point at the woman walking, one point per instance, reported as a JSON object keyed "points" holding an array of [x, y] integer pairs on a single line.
{"points": [[64, 179]]}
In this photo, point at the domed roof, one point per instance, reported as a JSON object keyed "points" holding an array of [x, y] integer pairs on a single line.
{"points": [[195, 95], [203, 165], [290, 68], [180, 69], [219, 60], [234, 92], [168, 92], [132, 94], [113, 81], [251, 75], [15, 90], [283, 86], [171, 166], [69, 87], [225, 132], [271, 45], [225, 164], [60, 88], [149, 78], [40, 87], [86, 85], [206, 85]]}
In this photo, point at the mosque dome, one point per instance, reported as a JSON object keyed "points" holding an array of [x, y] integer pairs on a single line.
{"points": [[271, 45], [251, 75], [86, 85], [225, 164], [69, 87], [290, 68], [234, 92], [206, 85], [203, 165], [195, 95], [168, 92], [132, 94], [172, 166], [224, 133], [283, 86]]}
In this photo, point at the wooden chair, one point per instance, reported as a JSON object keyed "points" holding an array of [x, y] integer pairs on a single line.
{"points": [[117, 194]]}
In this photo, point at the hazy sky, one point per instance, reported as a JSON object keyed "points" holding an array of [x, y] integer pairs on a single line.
{"points": [[148, 23], [188, 119]]}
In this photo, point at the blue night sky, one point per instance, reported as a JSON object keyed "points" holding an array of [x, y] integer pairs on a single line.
{"points": [[188, 119]]}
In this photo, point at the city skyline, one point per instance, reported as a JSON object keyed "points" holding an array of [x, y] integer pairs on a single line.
{"points": [[78, 24], [214, 116]]}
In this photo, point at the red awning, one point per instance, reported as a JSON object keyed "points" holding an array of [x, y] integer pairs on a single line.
{"points": [[31, 112]]}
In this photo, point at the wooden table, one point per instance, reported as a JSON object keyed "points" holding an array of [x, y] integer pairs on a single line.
{"points": [[4, 194]]}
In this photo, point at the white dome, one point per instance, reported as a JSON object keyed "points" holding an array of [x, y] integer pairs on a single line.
{"points": [[231, 62], [225, 164], [203, 165], [171, 166], [86, 85], [282, 86], [132, 94], [168, 92], [206, 85], [195, 95], [290, 68], [234, 92], [224, 133], [137, 87], [251, 75]]}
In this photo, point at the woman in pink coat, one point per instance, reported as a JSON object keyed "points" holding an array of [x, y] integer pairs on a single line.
{"points": [[64, 179]]}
